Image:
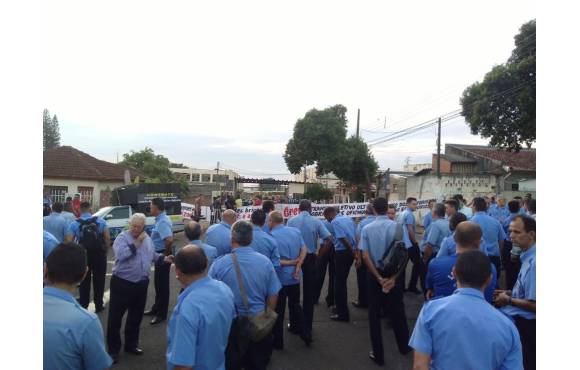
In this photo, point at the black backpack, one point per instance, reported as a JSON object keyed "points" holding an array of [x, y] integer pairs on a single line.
{"points": [[89, 236]]}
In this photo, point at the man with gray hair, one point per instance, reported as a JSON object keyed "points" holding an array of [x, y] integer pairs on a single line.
{"points": [[261, 286], [193, 233], [134, 254], [218, 235]]}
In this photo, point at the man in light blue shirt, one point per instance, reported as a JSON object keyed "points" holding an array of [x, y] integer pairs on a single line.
{"points": [[407, 220], [96, 240], [267, 207], [312, 229], [262, 242], [72, 336], [48, 244], [261, 285], [293, 251], [344, 255], [500, 212], [448, 244], [55, 223], [162, 236], [376, 239], [198, 331], [134, 254], [193, 233], [439, 281], [219, 235], [520, 304], [325, 259], [511, 254], [463, 331], [427, 219], [438, 230], [463, 208], [493, 233], [361, 269]]}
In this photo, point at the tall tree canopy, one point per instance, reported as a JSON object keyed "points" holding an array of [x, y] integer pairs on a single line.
{"points": [[320, 138], [503, 106], [154, 166], [50, 131]]}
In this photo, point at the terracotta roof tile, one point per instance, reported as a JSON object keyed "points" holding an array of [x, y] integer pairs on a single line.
{"points": [[524, 160], [68, 162]]}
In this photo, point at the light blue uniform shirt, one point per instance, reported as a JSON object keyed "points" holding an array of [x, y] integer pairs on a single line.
{"points": [[407, 218], [161, 231], [364, 222], [447, 247], [438, 230], [311, 228], [48, 244], [492, 233], [209, 250], [344, 227], [441, 281], [265, 244], [463, 331], [499, 213], [525, 286], [68, 216], [131, 263], [290, 243], [74, 228], [198, 331], [260, 279], [72, 336], [56, 224], [427, 220], [377, 237], [220, 236], [266, 227], [466, 211]]}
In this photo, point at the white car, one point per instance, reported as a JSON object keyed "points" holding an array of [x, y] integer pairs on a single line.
{"points": [[117, 219]]}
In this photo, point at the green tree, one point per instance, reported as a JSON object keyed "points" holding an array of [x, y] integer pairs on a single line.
{"points": [[50, 131], [154, 166], [317, 192], [503, 106]]}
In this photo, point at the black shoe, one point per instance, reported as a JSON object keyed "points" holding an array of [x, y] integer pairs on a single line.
{"points": [[359, 305], [136, 351], [149, 313], [307, 338], [337, 317], [115, 357], [292, 330], [100, 308], [375, 360], [157, 320], [329, 303], [332, 310]]}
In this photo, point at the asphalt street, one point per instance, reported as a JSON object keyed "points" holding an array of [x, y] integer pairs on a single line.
{"points": [[337, 345]]}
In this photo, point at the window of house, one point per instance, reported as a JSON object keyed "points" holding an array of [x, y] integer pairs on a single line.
{"points": [[205, 177], [195, 177], [86, 193], [515, 187], [57, 193]]}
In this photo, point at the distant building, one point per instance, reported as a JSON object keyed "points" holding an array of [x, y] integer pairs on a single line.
{"points": [[206, 181], [416, 167], [68, 171], [474, 170], [329, 180]]}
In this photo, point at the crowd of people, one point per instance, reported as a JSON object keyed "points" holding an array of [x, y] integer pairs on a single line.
{"points": [[238, 280]]}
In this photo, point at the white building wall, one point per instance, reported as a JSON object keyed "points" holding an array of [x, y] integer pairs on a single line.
{"points": [[423, 187], [73, 185]]}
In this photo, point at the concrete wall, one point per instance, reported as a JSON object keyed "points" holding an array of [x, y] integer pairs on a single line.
{"points": [[73, 186], [430, 186]]}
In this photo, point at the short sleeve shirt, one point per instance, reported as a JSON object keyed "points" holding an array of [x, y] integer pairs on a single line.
{"points": [[376, 238], [162, 230], [344, 227], [438, 230], [311, 228], [407, 218], [48, 244], [525, 286], [492, 231], [220, 236], [266, 245], [290, 243], [74, 228]]}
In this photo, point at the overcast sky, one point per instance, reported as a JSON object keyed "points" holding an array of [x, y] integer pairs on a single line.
{"points": [[201, 83]]}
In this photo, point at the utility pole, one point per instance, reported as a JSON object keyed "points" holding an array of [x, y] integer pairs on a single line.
{"points": [[439, 148], [357, 122]]}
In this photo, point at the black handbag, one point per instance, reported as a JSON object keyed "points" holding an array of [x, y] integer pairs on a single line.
{"points": [[395, 258]]}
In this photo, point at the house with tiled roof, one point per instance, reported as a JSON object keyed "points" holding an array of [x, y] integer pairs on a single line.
{"points": [[476, 170], [68, 171]]}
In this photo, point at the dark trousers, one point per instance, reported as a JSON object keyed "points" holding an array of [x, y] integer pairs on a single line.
{"points": [[97, 264], [161, 280], [361, 280], [527, 330], [292, 294], [342, 261], [395, 310], [308, 290], [125, 296], [418, 270], [496, 260], [327, 259]]}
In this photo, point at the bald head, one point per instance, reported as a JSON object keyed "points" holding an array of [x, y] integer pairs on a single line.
{"points": [[229, 216], [276, 217], [191, 260], [468, 235], [192, 230]]}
